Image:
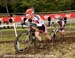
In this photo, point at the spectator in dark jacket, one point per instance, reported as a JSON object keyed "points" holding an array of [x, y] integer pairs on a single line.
{"points": [[65, 20], [0, 24], [49, 20], [10, 20], [23, 22]]}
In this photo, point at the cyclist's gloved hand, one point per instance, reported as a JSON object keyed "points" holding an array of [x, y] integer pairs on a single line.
{"points": [[33, 25]]}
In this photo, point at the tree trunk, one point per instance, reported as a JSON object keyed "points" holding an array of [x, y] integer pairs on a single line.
{"points": [[7, 9]]}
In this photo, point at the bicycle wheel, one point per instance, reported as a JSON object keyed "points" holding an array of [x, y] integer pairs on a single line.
{"points": [[22, 42], [53, 36]]}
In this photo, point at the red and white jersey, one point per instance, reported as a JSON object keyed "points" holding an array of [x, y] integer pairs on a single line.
{"points": [[60, 22], [37, 20]]}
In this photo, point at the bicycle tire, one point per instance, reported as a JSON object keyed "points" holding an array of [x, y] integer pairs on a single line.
{"points": [[22, 42], [53, 36]]}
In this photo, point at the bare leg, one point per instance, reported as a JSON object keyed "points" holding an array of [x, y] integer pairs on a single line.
{"points": [[37, 34], [61, 34], [48, 37]]}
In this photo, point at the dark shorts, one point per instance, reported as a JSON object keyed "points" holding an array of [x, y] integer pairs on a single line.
{"points": [[41, 28], [61, 29]]}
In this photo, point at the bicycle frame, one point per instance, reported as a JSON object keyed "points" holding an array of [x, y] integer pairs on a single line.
{"points": [[54, 34]]}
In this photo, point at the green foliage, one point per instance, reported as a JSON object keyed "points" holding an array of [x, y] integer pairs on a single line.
{"points": [[39, 5]]}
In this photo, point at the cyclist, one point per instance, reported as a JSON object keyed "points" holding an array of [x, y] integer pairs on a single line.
{"points": [[41, 27], [61, 23]]}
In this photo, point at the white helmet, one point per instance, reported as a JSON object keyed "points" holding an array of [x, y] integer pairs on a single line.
{"points": [[60, 18]]}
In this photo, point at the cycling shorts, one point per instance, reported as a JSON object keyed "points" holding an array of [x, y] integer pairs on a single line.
{"points": [[43, 28]]}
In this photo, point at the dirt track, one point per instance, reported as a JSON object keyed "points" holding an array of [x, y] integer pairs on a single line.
{"points": [[63, 48]]}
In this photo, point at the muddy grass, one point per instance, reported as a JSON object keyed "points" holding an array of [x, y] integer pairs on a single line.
{"points": [[62, 48]]}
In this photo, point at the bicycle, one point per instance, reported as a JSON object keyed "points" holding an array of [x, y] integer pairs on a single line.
{"points": [[54, 34], [25, 39]]}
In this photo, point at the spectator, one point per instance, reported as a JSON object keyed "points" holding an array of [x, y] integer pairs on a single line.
{"points": [[49, 21], [0, 24], [23, 22], [6, 22], [11, 19], [0, 21], [65, 20]]}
